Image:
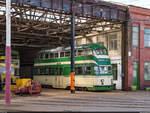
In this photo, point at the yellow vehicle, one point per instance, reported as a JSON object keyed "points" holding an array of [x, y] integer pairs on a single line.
{"points": [[2, 74]]}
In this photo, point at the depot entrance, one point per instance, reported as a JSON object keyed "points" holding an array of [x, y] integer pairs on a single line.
{"points": [[42, 24]]}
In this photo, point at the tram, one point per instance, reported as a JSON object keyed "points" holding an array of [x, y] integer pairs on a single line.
{"points": [[93, 70], [3, 76]]}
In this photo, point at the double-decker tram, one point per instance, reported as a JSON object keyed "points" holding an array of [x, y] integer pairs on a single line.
{"points": [[93, 69]]}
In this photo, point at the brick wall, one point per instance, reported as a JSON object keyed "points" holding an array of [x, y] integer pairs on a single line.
{"points": [[140, 17]]}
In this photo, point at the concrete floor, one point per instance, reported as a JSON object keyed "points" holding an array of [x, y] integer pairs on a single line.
{"points": [[61, 100]]}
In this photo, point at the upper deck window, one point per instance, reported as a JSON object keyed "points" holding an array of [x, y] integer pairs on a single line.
{"points": [[41, 56], [100, 51], [85, 52], [46, 56], [88, 52], [67, 54], [51, 55], [80, 52], [56, 55], [62, 54]]}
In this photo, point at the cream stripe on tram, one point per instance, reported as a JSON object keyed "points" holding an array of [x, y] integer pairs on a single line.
{"points": [[68, 62]]}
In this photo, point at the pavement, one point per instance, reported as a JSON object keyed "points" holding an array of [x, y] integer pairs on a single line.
{"points": [[58, 100]]}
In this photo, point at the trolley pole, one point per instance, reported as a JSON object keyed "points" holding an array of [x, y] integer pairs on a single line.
{"points": [[72, 51], [8, 53]]}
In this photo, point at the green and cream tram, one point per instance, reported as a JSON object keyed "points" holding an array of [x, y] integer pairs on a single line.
{"points": [[93, 69]]}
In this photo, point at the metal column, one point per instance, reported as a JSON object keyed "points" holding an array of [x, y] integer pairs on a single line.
{"points": [[8, 53], [72, 52]]}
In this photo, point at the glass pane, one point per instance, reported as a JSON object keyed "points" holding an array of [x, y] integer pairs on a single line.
{"points": [[56, 55], [135, 36], [135, 29], [62, 54], [46, 56], [67, 54], [51, 71], [87, 70], [96, 70], [88, 52], [111, 45], [147, 31], [80, 52], [115, 44], [51, 55], [147, 71], [78, 70]]}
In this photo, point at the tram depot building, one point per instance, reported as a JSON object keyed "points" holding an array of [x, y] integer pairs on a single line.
{"points": [[127, 41], [138, 55]]}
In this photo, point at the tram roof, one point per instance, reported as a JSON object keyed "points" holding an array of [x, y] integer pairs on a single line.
{"points": [[84, 46]]}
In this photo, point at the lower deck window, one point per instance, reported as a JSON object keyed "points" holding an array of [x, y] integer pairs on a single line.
{"points": [[51, 71], [96, 70], [58, 71], [83, 70]]}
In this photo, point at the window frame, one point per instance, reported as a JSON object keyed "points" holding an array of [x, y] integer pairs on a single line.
{"points": [[148, 34], [112, 41], [133, 38], [144, 70]]}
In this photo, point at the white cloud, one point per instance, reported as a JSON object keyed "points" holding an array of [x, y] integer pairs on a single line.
{"points": [[140, 3]]}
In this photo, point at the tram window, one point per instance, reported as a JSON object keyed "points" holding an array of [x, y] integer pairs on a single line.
{"points": [[67, 54], [56, 55], [46, 71], [37, 71], [41, 56], [88, 52], [78, 70], [51, 71], [80, 52], [51, 55], [103, 69], [46, 56], [58, 71], [75, 52], [109, 69], [104, 51], [88, 70], [96, 70], [42, 71], [99, 51], [62, 54]]}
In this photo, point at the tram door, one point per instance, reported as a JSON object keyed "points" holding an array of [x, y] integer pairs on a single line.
{"points": [[135, 74], [58, 78]]}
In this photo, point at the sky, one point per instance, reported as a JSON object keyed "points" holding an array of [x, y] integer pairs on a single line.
{"points": [[141, 3]]}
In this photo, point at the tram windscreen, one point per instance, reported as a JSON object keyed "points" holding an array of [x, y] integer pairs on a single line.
{"points": [[100, 51], [3, 70], [105, 69]]}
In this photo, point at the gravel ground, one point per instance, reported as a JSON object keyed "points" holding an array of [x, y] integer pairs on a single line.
{"points": [[62, 100]]}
